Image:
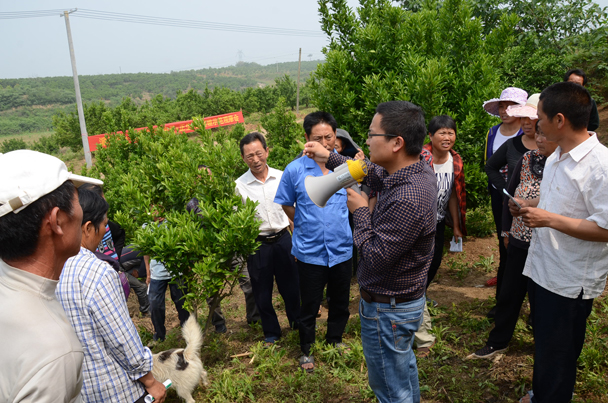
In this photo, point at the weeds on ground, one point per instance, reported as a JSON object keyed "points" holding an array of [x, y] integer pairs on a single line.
{"points": [[485, 263], [272, 374], [458, 267]]}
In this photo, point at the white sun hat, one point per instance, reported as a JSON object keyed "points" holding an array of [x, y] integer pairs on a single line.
{"points": [[512, 94], [529, 110], [26, 176]]}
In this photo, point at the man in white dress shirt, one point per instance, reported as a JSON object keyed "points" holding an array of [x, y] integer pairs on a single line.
{"points": [[273, 260], [568, 257]]}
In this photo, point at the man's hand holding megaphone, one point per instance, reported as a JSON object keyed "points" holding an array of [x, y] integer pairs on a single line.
{"points": [[317, 152]]}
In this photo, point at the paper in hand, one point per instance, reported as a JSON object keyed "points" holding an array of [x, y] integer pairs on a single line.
{"points": [[456, 246]]}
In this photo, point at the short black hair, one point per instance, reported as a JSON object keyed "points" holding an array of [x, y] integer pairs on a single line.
{"points": [[315, 118], [250, 138], [406, 120], [93, 188], [576, 72], [94, 207], [19, 233], [441, 122], [569, 99]]}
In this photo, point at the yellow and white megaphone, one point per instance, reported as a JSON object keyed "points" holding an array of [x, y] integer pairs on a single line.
{"points": [[347, 175]]}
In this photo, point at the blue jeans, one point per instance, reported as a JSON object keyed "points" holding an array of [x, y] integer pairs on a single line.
{"points": [[387, 333]]}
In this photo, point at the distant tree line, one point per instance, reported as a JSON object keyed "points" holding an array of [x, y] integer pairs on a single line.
{"points": [[27, 104], [102, 118]]}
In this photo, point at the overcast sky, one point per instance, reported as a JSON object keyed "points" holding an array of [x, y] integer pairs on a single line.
{"points": [[37, 47]]}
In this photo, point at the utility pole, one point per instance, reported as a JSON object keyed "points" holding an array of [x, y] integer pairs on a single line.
{"points": [[83, 126], [298, 85]]}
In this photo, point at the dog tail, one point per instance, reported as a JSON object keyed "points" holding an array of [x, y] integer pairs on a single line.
{"points": [[193, 336]]}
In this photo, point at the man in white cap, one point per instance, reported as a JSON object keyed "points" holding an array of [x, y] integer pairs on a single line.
{"points": [[40, 222]]}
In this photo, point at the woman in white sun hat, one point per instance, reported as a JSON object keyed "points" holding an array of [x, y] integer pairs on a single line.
{"points": [[524, 183], [512, 150], [496, 136]]}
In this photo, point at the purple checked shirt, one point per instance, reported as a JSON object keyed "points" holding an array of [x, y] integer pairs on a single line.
{"points": [[396, 241]]}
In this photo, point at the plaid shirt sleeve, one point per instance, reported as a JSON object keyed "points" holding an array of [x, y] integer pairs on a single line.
{"points": [[112, 320]]}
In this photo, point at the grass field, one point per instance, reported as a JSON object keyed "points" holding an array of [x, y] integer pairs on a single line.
{"points": [[27, 137], [242, 370]]}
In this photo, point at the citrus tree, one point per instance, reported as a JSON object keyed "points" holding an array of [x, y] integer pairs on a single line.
{"points": [[438, 57], [155, 174]]}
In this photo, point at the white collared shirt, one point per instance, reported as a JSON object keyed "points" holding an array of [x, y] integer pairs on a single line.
{"points": [[575, 185], [271, 214]]}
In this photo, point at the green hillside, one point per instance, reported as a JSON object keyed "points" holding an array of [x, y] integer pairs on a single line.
{"points": [[28, 104]]}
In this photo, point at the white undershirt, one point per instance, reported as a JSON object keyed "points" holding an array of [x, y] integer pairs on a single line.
{"points": [[499, 140], [445, 180]]}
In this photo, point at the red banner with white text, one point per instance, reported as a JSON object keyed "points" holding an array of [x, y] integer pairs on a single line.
{"points": [[210, 122]]}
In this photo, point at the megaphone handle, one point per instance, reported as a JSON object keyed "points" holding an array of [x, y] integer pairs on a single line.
{"points": [[355, 187]]}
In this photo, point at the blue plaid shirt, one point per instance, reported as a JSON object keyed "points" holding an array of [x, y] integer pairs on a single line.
{"points": [[114, 358], [396, 241]]}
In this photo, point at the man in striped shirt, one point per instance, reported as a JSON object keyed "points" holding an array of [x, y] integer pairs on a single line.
{"points": [[395, 244]]}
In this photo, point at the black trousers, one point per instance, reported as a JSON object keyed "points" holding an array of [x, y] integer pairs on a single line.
{"points": [[274, 261], [514, 289], [438, 254], [313, 279], [559, 333], [497, 200], [158, 288]]}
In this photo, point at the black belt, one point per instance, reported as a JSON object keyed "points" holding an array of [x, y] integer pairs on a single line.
{"points": [[370, 297], [272, 238]]}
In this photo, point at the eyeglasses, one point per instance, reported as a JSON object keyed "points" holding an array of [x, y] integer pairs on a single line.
{"points": [[370, 135]]}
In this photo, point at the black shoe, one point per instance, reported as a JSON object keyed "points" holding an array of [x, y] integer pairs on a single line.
{"points": [[486, 352], [221, 328]]}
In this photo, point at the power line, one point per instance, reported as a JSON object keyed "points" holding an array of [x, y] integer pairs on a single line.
{"points": [[142, 19], [170, 22], [29, 14]]}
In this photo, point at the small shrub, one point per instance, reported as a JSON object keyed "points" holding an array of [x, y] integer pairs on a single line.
{"points": [[12, 145], [480, 222]]}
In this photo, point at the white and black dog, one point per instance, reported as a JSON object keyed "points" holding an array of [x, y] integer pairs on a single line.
{"points": [[183, 365]]}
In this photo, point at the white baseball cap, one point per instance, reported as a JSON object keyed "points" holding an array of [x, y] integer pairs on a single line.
{"points": [[26, 176]]}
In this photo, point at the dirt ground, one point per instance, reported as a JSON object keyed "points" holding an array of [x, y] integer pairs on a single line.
{"points": [[446, 289]]}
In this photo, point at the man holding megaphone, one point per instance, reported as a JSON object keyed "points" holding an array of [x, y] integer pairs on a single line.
{"points": [[322, 241], [395, 245]]}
